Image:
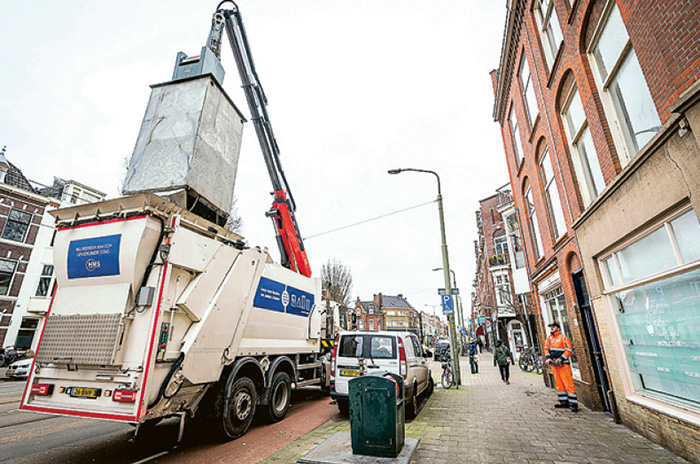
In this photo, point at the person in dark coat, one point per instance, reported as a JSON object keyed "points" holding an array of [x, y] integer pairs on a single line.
{"points": [[473, 357], [503, 358]]}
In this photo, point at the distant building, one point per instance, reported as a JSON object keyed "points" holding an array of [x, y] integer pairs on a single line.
{"points": [[21, 211], [399, 315], [34, 279], [369, 315]]}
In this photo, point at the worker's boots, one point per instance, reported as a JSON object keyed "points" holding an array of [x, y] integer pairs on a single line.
{"points": [[574, 407], [563, 405]]}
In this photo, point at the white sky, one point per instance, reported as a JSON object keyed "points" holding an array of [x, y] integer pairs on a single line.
{"points": [[355, 88]]}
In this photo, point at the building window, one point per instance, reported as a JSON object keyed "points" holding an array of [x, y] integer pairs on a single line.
{"points": [[528, 89], [533, 224], [362, 325], [625, 90], [555, 306], [25, 335], [550, 29], [371, 324], [501, 245], [588, 173], [515, 134], [45, 281], [657, 307], [7, 270], [17, 225], [551, 194]]}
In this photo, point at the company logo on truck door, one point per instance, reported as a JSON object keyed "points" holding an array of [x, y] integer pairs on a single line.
{"points": [[94, 257], [282, 298]]}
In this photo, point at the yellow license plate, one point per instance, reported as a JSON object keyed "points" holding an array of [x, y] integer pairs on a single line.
{"points": [[349, 373], [82, 392], [10, 371]]}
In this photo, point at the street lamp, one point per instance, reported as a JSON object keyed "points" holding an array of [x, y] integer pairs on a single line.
{"points": [[460, 309], [446, 267]]}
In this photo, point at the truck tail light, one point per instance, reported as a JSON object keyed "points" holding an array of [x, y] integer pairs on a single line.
{"points": [[403, 369], [42, 389], [333, 357], [124, 396]]}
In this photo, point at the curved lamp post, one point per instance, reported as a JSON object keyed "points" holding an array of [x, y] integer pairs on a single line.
{"points": [[446, 267]]}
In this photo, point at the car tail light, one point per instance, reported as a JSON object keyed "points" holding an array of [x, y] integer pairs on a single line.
{"points": [[333, 357], [42, 389], [124, 396], [403, 369]]}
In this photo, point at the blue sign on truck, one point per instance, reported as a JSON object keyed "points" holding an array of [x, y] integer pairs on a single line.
{"points": [[94, 257], [282, 298]]}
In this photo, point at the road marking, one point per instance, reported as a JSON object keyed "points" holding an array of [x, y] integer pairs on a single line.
{"points": [[440, 409], [163, 453]]}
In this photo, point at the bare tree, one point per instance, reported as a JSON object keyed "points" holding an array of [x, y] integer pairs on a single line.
{"points": [[234, 223], [339, 277]]}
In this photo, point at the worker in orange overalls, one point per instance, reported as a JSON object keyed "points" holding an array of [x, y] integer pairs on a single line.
{"points": [[557, 351]]}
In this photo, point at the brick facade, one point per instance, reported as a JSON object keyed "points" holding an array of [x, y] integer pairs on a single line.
{"points": [[665, 36]]}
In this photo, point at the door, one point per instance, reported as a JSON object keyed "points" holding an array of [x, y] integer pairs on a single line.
{"points": [[594, 347]]}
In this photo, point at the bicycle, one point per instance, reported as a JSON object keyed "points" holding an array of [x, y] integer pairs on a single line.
{"points": [[530, 360], [447, 377]]}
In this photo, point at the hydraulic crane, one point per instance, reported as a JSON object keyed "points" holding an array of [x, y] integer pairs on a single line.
{"points": [[292, 252]]}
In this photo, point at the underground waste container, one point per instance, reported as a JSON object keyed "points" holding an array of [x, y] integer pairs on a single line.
{"points": [[377, 415]]}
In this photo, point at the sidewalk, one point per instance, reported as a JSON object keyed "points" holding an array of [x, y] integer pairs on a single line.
{"points": [[486, 421]]}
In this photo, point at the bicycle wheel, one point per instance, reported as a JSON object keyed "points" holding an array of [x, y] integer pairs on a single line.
{"points": [[538, 365], [447, 379]]}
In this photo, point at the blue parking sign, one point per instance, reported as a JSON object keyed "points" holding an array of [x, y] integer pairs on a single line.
{"points": [[447, 305]]}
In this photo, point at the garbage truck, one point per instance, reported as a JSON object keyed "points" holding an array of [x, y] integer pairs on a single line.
{"points": [[159, 311]]}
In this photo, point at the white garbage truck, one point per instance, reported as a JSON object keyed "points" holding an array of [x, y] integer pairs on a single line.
{"points": [[159, 311]]}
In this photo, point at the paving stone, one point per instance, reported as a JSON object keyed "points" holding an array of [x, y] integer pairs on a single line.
{"points": [[486, 421]]}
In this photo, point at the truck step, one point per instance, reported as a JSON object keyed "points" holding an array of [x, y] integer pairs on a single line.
{"points": [[301, 367], [307, 383]]}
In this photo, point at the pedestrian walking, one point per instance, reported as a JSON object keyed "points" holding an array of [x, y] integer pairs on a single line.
{"points": [[473, 357], [503, 358], [557, 351]]}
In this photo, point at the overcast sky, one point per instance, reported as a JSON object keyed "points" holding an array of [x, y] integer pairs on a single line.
{"points": [[355, 88]]}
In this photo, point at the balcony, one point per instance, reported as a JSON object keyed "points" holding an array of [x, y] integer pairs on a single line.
{"points": [[504, 197], [498, 260]]}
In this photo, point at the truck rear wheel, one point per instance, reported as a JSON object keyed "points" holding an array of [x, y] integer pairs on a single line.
{"points": [[236, 407], [280, 396]]}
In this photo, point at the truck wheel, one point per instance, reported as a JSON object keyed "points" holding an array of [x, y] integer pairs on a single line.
{"points": [[237, 408], [280, 396], [343, 407]]}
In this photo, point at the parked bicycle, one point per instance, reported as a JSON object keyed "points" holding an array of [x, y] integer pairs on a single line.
{"points": [[447, 376], [530, 360]]}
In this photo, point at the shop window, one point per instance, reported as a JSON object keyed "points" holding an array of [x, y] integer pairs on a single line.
{"points": [[7, 271], [515, 137], [551, 193], [534, 226], [17, 225], [658, 308], [528, 89], [618, 73], [25, 335], [555, 305], [45, 281], [586, 165], [550, 29]]}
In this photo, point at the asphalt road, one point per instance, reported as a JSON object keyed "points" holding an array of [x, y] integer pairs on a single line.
{"points": [[37, 438]]}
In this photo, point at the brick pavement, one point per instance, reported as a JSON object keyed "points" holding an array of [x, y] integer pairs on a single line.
{"points": [[486, 421]]}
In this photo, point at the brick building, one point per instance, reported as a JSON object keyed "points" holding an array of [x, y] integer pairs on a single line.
{"points": [[369, 314], [21, 212], [501, 286], [599, 107]]}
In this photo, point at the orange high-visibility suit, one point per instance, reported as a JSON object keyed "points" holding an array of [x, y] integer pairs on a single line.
{"points": [[558, 349]]}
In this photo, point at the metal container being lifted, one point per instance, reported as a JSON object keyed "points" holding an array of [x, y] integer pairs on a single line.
{"points": [[188, 146]]}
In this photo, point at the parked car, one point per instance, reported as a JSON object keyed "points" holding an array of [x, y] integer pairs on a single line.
{"points": [[442, 349], [359, 353], [19, 369]]}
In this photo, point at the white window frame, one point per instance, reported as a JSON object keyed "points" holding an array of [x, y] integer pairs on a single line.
{"points": [[551, 196], [615, 111], [548, 25], [533, 224], [631, 393], [586, 174], [25, 233], [15, 264], [528, 91], [515, 136]]}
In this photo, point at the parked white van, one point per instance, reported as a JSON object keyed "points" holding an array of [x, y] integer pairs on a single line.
{"points": [[359, 353]]}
